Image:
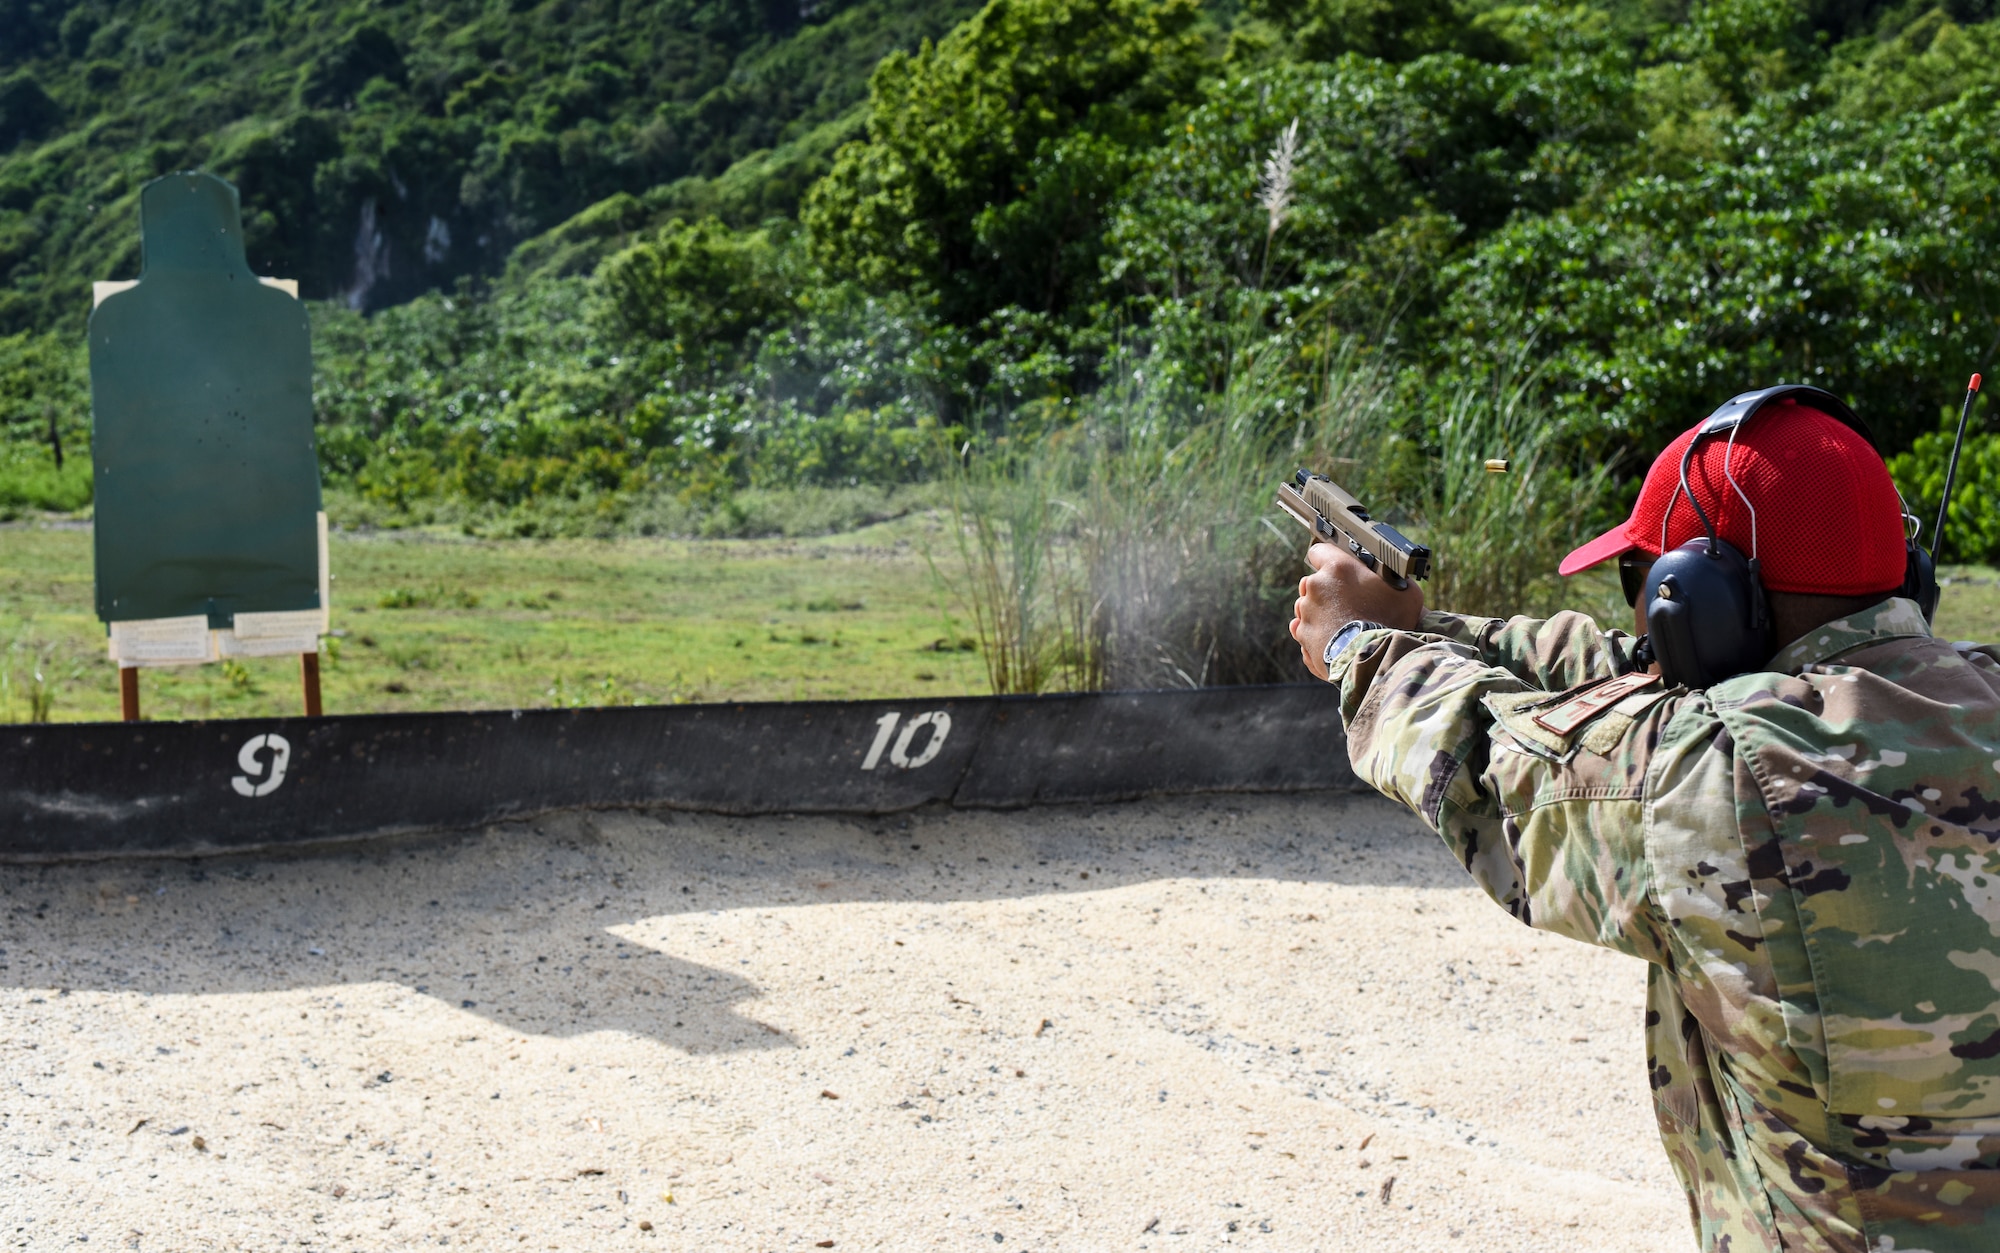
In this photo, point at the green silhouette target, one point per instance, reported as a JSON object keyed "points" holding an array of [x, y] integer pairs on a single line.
{"points": [[208, 496]]}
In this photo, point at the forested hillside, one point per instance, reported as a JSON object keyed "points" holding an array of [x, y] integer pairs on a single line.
{"points": [[582, 262], [383, 150]]}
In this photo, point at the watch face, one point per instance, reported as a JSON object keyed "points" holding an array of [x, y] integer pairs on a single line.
{"points": [[1345, 636], [1340, 640]]}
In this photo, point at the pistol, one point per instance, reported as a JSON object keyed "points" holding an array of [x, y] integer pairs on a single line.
{"points": [[1326, 509]]}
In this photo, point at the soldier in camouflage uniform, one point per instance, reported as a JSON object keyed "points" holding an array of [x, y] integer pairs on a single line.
{"points": [[1806, 855]]}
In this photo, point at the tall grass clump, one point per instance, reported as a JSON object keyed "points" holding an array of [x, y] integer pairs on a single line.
{"points": [[1140, 546], [1498, 537], [28, 682], [1012, 568]]}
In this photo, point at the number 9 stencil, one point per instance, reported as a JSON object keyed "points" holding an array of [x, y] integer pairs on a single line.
{"points": [[281, 757]]}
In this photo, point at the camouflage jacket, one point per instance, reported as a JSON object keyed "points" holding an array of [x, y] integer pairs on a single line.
{"points": [[1806, 857]]}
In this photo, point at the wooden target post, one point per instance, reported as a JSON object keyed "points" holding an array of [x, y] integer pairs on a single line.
{"points": [[210, 538], [128, 688]]}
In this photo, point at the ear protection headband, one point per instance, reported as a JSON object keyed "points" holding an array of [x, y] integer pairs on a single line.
{"points": [[1707, 616]]}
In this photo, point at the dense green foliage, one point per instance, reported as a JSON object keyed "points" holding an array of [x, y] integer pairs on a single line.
{"points": [[517, 401], [665, 252], [383, 150]]}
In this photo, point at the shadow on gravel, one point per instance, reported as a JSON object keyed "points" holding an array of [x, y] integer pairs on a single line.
{"points": [[513, 923]]}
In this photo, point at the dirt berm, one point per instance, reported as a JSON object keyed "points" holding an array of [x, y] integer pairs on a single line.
{"points": [[1280, 1023]]}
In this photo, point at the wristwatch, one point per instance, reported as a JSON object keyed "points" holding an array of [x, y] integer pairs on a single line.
{"points": [[1345, 636]]}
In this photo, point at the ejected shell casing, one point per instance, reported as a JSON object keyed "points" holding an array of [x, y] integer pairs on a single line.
{"points": [[1496, 465]]}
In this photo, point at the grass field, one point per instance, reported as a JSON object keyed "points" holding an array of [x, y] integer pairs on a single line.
{"points": [[426, 621], [429, 622]]}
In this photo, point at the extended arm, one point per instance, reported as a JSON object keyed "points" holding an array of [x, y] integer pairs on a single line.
{"points": [[1554, 832], [1553, 654]]}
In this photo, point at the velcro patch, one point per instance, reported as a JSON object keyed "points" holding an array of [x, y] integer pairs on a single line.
{"points": [[1514, 712], [1566, 715]]}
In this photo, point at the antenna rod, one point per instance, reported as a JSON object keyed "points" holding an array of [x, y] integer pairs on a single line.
{"points": [[1951, 469]]}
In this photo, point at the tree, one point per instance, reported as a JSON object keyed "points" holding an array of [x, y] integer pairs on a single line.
{"points": [[698, 284], [992, 155]]}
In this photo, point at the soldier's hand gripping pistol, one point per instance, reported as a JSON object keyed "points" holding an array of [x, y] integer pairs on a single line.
{"points": [[1323, 507]]}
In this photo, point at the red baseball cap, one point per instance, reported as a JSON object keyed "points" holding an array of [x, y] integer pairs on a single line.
{"points": [[1828, 520]]}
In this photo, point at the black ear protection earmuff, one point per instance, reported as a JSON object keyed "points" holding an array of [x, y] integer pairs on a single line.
{"points": [[1707, 617]]}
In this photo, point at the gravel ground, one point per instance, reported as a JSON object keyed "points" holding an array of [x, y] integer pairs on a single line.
{"points": [[1281, 1023]]}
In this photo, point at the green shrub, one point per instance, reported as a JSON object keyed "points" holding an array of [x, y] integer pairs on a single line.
{"points": [[696, 284], [29, 480], [44, 407], [1972, 532]]}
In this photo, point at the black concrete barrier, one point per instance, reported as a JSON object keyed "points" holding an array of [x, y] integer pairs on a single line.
{"points": [[179, 788]]}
